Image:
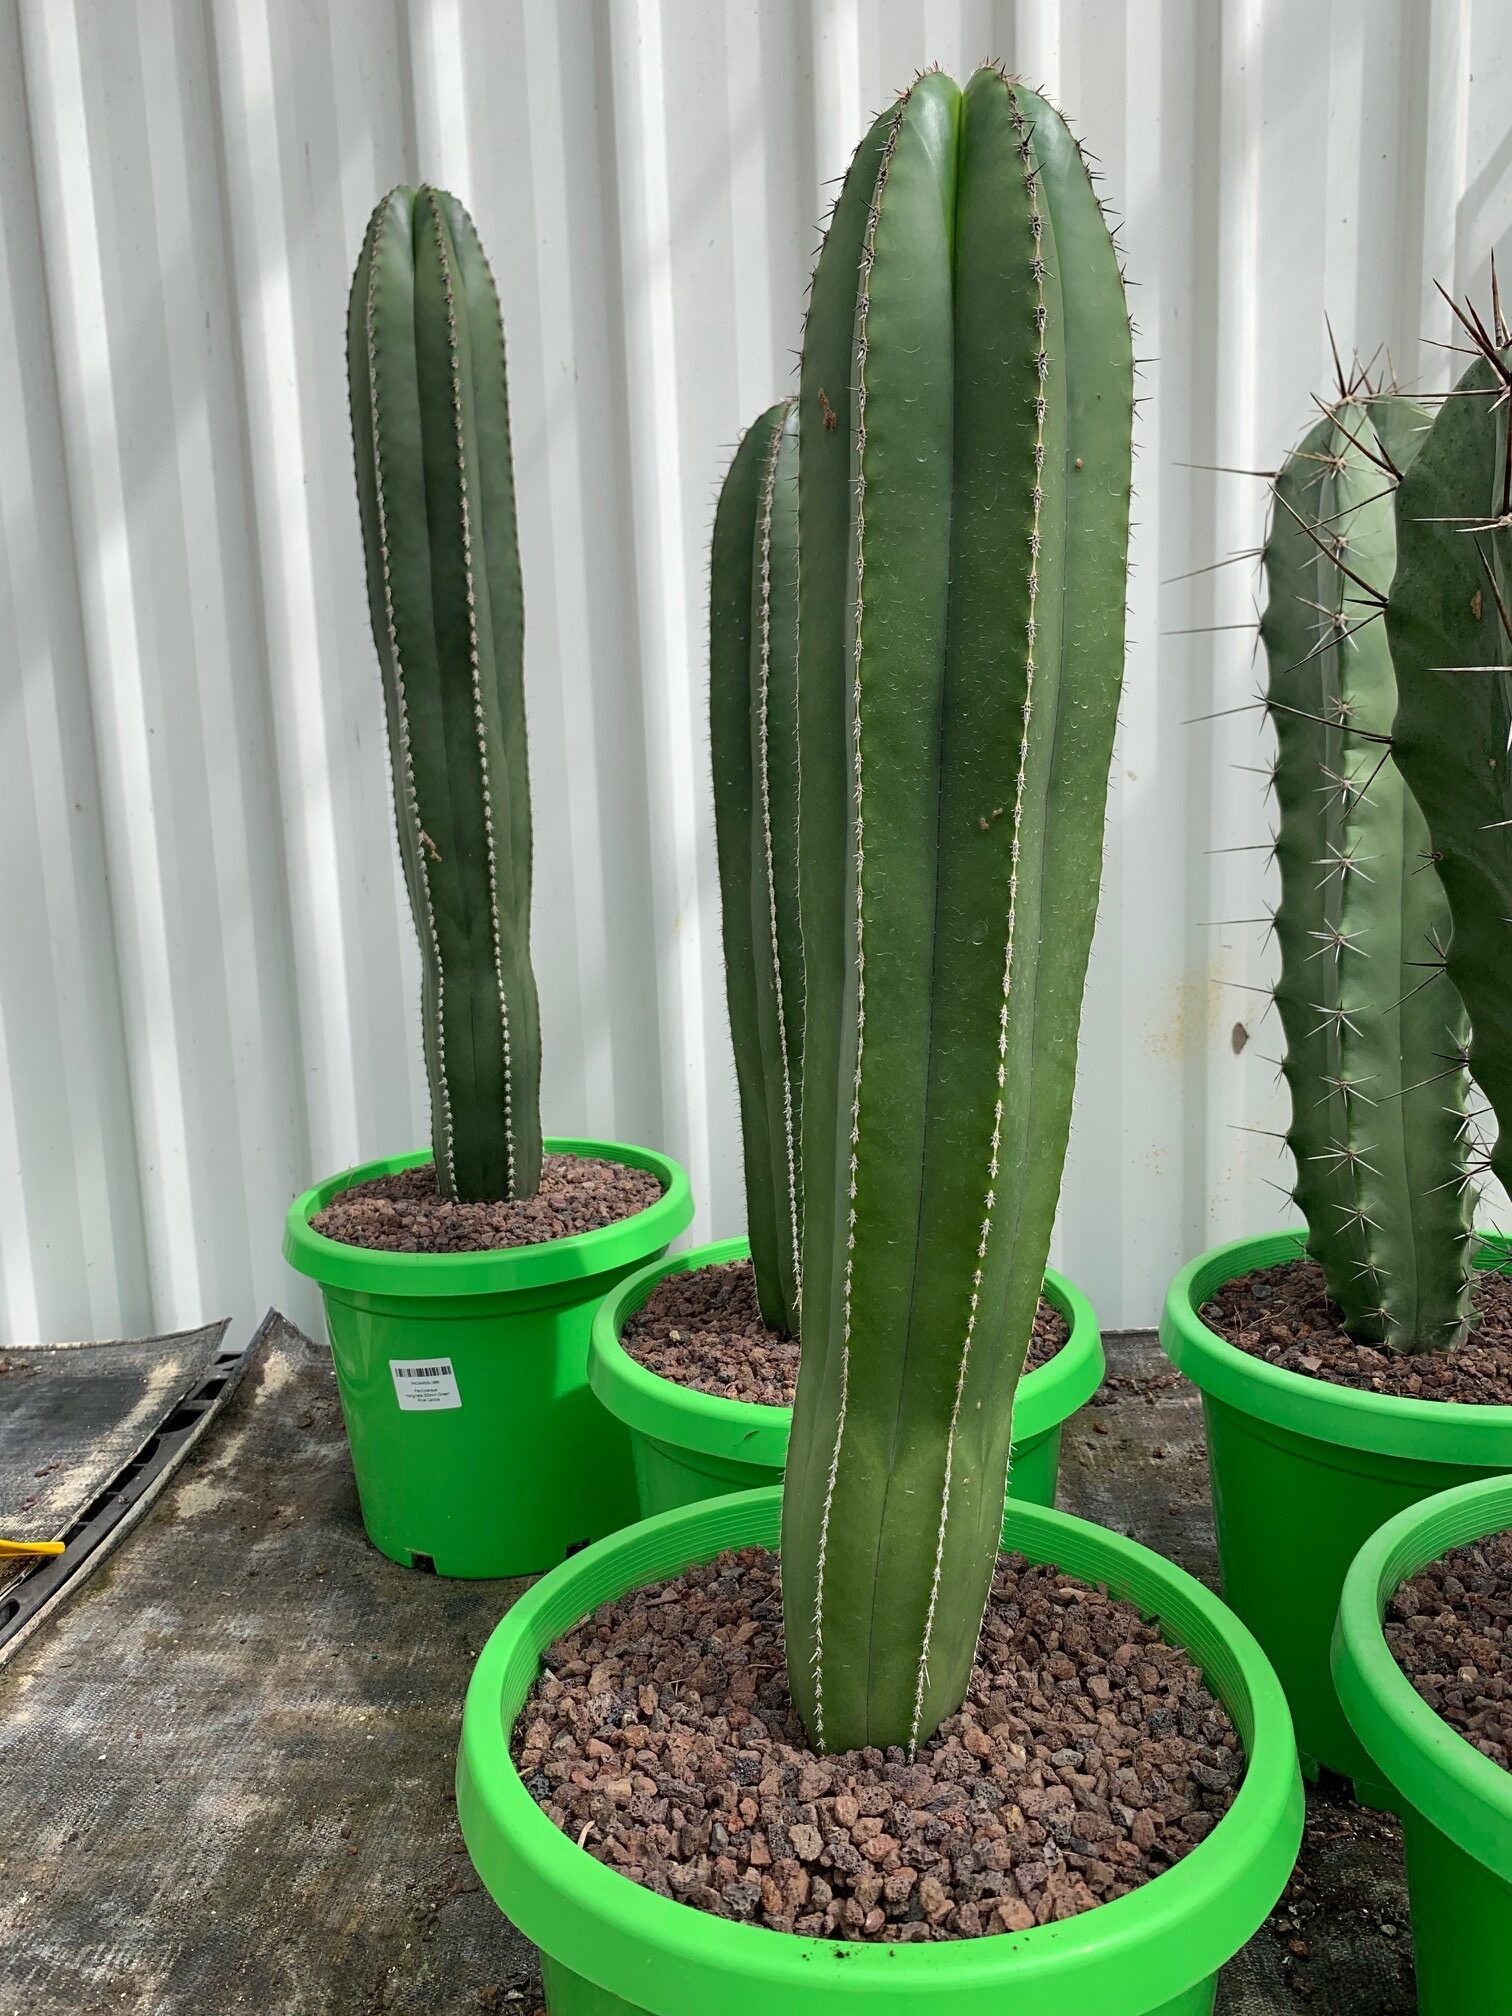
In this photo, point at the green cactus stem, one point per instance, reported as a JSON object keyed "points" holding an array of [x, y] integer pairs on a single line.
{"points": [[1449, 619], [1372, 1022], [430, 433], [753, 734], [964, 441]]}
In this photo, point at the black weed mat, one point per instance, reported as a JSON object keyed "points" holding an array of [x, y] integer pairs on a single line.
{"points": [[89, 1436], [226, 1767]]}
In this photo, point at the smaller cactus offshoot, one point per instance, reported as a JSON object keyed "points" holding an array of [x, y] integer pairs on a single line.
{"points": [[753, 733]]}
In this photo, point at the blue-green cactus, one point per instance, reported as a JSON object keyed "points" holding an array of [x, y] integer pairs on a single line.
{"points": [[430, 434], [965, 408]]}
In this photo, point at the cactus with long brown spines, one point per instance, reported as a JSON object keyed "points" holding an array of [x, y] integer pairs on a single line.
{"points": [[1372, 1022]]}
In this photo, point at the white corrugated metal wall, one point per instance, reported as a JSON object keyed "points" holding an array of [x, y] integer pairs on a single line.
{"points": [[207, 983]]}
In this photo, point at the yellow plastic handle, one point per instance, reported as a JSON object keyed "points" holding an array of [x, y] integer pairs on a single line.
{"points": [[12, 1547]]}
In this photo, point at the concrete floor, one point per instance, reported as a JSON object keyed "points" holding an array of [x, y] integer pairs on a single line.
{"points": [[220, 1792]]}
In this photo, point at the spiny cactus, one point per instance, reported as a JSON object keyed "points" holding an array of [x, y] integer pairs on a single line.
{"points": [[1449, 618], [964, 434], [753, 732], [430, 433], [1372, 1023]]}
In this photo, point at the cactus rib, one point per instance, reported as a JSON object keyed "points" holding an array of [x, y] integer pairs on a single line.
{"points": [[858, 632], [779, 463], [475, 670], [412, 837], [989, 1203]]}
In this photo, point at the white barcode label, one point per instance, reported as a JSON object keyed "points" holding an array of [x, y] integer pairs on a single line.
{"points": [[423, 1384]]}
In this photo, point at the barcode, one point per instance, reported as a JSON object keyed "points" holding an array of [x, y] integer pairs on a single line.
{"points": [[424, 1386]]}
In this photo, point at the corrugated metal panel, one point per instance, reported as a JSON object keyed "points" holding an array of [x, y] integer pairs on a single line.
{"points": [[207, 984]]}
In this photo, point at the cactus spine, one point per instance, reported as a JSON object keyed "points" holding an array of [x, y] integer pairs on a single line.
{"points": [[964, 432], [1449, 618], [1372, 1023], [430, 433], [753, 732]]}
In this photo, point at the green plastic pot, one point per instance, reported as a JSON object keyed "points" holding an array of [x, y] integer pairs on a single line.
{"points": [[611, 1948], [690, 1446], [1456, 1805], [1302, 1474], [528, 1466]]}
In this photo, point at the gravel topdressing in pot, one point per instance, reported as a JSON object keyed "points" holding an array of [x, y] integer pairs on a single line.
{"points": [[1088, 1757], [1449, 1627], [703, 1330], [403, 1212], [1283, 1315]]}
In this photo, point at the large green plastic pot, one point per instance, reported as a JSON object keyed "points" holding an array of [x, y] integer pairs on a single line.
{"points": [[1302, 1474], [690, 1446], [1456, 1805], [528, 1466], [611, 1948]]}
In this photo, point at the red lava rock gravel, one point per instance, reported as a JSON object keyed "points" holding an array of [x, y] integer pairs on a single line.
{"points": [[1450, 1630], [403, 1214], [703, 1330], [1283, 1315], [1089, 1756]]}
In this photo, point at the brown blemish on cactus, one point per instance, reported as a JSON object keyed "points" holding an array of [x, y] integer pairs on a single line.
{"points": [[831, 417]]}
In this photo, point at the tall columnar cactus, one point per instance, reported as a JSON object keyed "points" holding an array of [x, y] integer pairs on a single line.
{"points": [[1450, 622], [1372, 1023], [753, 731], [430, 432], [964, 434]]}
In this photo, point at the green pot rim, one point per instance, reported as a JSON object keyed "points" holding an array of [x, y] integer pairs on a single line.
{"points": [[1443, 1777], [744, 1431], [1428, 1431], [578, 1258], [1124, 1958]]}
